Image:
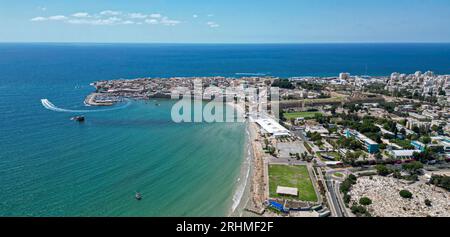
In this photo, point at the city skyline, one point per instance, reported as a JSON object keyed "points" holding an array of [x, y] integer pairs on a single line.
{"points": [[327, 21]]}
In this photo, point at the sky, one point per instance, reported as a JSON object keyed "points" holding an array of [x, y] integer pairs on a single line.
{"points": [[225, 21]]}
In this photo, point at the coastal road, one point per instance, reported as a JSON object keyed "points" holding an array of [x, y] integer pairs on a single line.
{"points": [[333, 195]]}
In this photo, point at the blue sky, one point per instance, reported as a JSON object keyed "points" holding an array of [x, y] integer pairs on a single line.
{"points": [[225, 21]]}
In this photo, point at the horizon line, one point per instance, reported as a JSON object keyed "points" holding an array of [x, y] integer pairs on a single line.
{"points": [[227, 43]]}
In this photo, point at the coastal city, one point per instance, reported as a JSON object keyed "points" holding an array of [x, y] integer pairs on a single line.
{"points": [[343, 146]]}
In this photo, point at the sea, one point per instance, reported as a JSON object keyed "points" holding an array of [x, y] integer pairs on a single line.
{"points": [[52, 166]]}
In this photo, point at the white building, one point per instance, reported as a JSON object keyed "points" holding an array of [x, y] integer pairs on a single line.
{"points": [[272, 127], [318, 129], [403, 154], [344, 75]]}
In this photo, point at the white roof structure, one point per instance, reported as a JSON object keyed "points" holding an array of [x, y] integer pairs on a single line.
{"points": [[287, 191], [332, 163], [318, 129], [404, 153], [273, 127]]}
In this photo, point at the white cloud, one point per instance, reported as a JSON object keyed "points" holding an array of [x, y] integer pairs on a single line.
{"points": [[81, 14], [128, 22], [38, 18], [109, 17], [137, 16], [155, 15], [109, 21], [212, 24], [195, 16], [79, 21], [168, 22], [57, 18], [151, 21], [106, 21], [110, 13]]}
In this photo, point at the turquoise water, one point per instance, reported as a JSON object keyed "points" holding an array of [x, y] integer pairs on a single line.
{"points": [[51, 166], [60, 168]]}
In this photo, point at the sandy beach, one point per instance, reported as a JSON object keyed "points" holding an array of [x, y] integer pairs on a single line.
{"points": [[257, 187]]}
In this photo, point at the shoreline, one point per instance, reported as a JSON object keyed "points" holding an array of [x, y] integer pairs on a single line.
{"points": [[241, 195], [251, 203]]}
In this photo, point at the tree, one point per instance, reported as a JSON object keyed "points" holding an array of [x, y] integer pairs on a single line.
{"points": [[351, 157], [314, 136], [378, 156], [347, 198], [413, 167], [397, 174], [283, 83], [352, 178], [405, 194], [365, 201], [360, 211], [319, 143], [347, 184], [416, 129], [441, 181], [383, 170], [424, 156], [345, 187], [426, 140]]}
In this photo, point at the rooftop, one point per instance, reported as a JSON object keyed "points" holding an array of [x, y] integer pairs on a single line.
{"points": [[271, 126], [404, 152], [287, 191]]}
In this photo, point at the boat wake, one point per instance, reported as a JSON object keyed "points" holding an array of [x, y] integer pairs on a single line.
{"points": [[50, 106]]}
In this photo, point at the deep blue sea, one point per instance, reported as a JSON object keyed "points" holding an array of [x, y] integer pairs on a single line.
{"points": [[51, 166]]}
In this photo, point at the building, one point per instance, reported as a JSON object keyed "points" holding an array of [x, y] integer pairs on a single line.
{"points": [[403, 154], [272, 127], [287, 191], [384, 131], [344, 76], [317, 129], [370, 145], [418, 145], [334, 163], [418, 117], [444, 141]]}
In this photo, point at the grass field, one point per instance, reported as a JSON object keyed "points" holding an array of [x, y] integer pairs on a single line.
{"points": [[295, 115], [294, 177], [340, 175]]}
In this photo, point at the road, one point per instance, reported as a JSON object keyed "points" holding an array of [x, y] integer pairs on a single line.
{"points": [[334, 199]]}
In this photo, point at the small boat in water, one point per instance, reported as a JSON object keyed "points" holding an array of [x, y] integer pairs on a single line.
{"points": [[78, 119], [138, 196]]}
